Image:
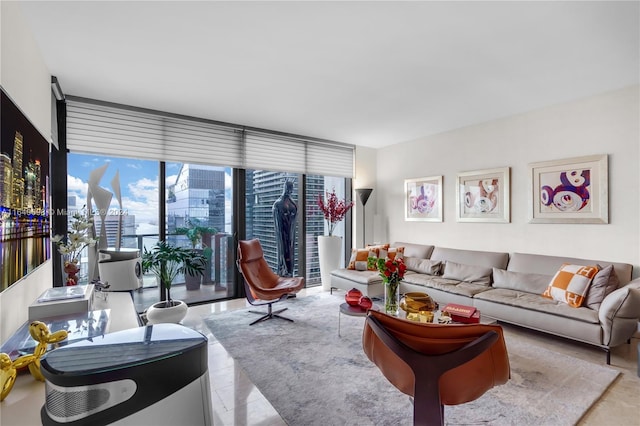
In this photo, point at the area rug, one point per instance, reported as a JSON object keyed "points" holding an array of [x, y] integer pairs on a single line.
{"points": [[312, 376]]}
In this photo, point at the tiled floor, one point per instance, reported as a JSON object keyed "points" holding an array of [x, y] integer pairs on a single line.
{"points": [[236, 401]]}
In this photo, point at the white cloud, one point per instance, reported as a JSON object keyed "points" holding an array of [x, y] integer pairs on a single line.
{"points": [[76, 184]]}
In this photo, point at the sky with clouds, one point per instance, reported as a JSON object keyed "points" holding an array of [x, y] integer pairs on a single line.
{"points": [[138, 185]]}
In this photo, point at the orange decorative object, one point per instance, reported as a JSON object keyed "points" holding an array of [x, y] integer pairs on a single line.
{"points": [[353, 297]]}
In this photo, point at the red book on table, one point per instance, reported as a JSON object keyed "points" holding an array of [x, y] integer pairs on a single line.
{"points": [[462, 313]]}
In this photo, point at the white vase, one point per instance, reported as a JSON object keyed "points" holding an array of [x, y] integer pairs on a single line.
{"points": [[329, 251], [159, 313]]}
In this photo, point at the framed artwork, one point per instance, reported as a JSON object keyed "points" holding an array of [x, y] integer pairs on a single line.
{"points": [[573, 190], [24, 195], [423, 199], [483, 196]]}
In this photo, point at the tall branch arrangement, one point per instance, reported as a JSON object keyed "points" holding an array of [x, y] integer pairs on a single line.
{"points": [[333, 209]]}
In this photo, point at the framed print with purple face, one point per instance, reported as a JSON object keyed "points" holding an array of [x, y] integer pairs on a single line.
{"points": [[423, 199], [483, 196], [573, 190]]}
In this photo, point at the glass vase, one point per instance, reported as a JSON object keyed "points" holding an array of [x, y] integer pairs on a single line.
{"points": [[71, 270], [392, 297]]}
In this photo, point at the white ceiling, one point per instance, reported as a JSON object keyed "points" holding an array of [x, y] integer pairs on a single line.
{"points": [[366, 73]]}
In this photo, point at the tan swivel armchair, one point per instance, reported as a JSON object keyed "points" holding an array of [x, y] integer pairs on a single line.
{"points": [[262, 285], [436, 364]]}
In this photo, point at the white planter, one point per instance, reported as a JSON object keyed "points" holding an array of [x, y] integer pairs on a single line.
{"points": [[329, 251], [158, 313]]}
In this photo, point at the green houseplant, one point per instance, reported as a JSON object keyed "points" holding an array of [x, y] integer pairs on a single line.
{"points": [[198, 234], [166, 262]]}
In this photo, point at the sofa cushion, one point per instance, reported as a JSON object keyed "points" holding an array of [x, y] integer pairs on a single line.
{"points": [[378, 247], [537, 303], [532, 283], [415, 250], [470, 273], [362, 255], [604, 283], [360, 277], [487, 259], [571, 284], [391, 253], [444, 284], [423, 266]]}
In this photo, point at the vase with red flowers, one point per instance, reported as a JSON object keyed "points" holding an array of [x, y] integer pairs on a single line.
{"points": [[392, 272], [71, 246], [334, 211]]}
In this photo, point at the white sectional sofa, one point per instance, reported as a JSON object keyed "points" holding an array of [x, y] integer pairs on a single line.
{"points": [[509, 287]]}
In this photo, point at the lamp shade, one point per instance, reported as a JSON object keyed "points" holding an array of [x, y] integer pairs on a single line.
{"points": [[363, 194]]}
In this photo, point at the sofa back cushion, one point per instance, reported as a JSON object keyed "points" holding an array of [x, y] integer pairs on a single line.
{"points": [[469, 273], [521, 281], [423, 266], [487, 259], [421, 251], [604, 283], [549, 265]]}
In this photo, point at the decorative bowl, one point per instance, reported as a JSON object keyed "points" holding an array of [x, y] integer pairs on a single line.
{"points": [[415, 302]]}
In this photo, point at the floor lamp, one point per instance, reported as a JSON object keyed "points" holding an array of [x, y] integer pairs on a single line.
{"points": [[363, 194]]}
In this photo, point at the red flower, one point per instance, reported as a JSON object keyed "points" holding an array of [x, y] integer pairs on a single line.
{"points": [[334, 210], [392, 270]]}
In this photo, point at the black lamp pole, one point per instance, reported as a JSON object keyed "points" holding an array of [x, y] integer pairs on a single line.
{"points": [[363, 194]]}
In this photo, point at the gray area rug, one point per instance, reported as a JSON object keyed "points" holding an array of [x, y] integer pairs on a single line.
{"points": [[312, 376]]}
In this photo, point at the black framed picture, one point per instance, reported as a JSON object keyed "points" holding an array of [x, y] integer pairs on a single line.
{"points": [[24, 194]]}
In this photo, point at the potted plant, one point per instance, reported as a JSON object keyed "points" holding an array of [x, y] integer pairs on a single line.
{"points": [[166, 262], [196, 233], [330, 246]]}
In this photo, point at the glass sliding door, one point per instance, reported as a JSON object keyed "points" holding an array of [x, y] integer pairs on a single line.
{"points": [[317, 186], [199, 216]]}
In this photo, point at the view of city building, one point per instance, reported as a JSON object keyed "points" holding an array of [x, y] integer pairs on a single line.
{"points": [[201, 195]]}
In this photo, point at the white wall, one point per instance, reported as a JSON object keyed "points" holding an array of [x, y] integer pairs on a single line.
{"points": [[23, 73], [604, 124], [27, 81], [365, 177]]}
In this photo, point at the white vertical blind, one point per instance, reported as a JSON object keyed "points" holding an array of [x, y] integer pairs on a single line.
{"points": [[115, 130]]}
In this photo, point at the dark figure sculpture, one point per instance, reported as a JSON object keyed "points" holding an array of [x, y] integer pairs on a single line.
{"points": [[284, 217]]}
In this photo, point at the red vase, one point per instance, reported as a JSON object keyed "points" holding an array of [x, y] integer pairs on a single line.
{"points": [[365, 303], [353, 297]]}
